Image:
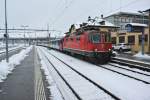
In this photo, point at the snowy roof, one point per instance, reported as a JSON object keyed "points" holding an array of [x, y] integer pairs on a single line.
{"points": [[126, 13], [95, 22], [101, 22], [77, 25], [137, 24]]}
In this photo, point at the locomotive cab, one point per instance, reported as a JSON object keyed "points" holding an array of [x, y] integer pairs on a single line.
{"points": [[101, 45]]}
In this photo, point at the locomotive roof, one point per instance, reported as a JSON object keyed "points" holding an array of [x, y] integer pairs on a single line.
{"points": [[90, 24], [93, 27], [95, 23]]}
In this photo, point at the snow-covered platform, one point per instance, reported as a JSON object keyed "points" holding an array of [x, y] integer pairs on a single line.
{"points": [[26, 81]]}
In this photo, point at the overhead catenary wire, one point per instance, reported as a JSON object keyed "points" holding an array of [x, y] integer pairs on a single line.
{"points": [[88, 10], [111, 10], [62, 12]]}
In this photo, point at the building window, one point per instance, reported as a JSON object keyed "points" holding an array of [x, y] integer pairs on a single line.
{"points": [[145, 38], [121, 39], [131, 39], [127, 20], [113, 40], [123, 20]]}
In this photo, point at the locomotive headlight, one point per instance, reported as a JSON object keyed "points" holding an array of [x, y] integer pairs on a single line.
{"points": [[95, 50]]}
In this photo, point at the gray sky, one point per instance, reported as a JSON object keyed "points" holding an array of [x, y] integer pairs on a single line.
{"points": [[60, 14]]}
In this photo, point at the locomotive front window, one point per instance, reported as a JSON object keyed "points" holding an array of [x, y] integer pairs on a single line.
{"points": [[94, 38]]}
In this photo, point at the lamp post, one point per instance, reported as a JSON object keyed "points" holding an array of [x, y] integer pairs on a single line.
{"points": [[143, 39], [6, 33], [24, 27]]}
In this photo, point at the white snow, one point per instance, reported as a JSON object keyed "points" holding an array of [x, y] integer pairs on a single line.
{"points": [[134, 69], [133, 74], [122, 86], [138, 61], [139, 55], [85, 88], [7, 68], [97, 22], [55, 94], [11, 48]]}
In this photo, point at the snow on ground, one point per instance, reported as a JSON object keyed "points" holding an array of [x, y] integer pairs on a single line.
{"points": [[78, 82], [122, 86], [10, 45], [55, 94], [139, 55], [134, 69], [11, 48], [6, 68], [133, 74], [133, 60]]}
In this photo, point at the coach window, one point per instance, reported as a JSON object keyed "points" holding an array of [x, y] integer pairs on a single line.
{"points": [[121, 39], [131, 39]]}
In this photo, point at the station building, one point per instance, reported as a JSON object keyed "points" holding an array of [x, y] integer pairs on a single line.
{"points": [[131, 27], [133, 36]]}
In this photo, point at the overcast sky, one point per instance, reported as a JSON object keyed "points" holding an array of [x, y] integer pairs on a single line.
{"points": [[60, 14]]}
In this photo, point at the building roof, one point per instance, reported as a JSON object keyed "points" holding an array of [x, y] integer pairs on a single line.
{"points": [[137, 24], [147, 10], [126, 13]]}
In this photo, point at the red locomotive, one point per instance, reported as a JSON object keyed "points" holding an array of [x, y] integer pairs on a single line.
{"points": [[88, 41]]}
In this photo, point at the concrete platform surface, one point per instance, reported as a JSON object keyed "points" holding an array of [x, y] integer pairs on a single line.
{"points": [[22, 83]]}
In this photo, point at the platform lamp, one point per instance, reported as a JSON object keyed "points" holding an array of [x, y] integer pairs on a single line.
{"points": [[143, 39]]}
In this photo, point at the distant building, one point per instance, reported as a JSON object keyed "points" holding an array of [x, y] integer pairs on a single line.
{"points": [[122, 18]]}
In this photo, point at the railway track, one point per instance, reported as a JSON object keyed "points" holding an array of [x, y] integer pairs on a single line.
{"points": [[145, 78], [129, 69], [10, 52], [132, 79], [132, 63], [78, 74]]}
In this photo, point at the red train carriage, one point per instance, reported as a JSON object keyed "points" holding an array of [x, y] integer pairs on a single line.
{"points": [[89, 42]]}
